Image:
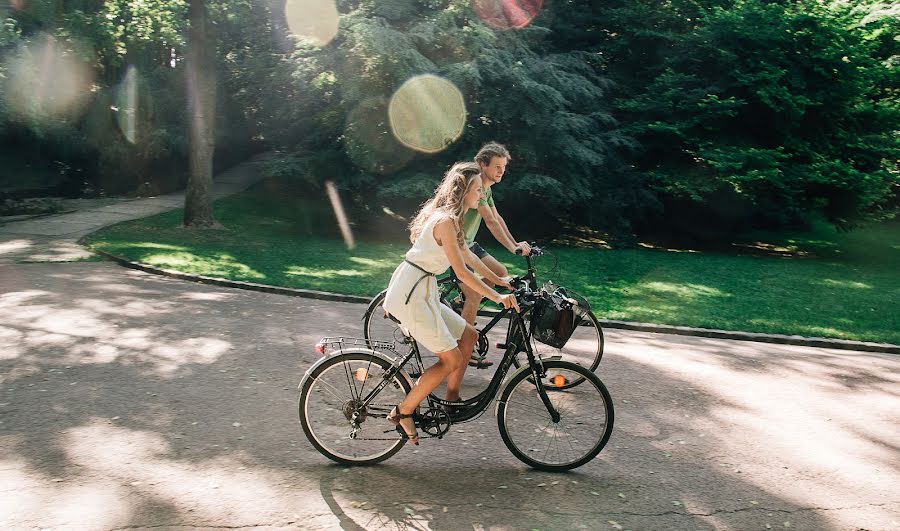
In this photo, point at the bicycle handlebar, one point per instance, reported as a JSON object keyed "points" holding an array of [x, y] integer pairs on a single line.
{"points": [[535, 251], [525, 297]]}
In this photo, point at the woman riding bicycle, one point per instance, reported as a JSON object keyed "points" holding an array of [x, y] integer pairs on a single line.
{"points": [[412, 295]]}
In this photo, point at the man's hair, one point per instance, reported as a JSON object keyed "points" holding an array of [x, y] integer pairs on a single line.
{"points": [[491, 150], [447, 201]]}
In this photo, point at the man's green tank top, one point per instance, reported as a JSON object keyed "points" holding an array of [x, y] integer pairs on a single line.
{"points": [[472, 217]]}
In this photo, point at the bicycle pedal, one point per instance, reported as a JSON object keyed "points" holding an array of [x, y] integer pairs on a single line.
{"points": [[502, 345]]}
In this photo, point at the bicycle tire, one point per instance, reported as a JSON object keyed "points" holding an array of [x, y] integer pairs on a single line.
{"points": [[328, 427], [581, 409]]}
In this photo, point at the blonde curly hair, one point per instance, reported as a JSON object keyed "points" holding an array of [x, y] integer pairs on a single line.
{"points": [[447, 200]]}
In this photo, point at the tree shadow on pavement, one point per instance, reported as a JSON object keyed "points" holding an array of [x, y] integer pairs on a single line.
{"points": [[133, 400]]}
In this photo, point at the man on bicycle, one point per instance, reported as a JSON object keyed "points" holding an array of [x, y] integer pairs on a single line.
{"points": [[492, 159]]}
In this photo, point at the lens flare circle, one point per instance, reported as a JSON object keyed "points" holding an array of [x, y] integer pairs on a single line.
{"points": [[126, 98], [315, 21], [507, 14], [48, 80], [427, 113]]}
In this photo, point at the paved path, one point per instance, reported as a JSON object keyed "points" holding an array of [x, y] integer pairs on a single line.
{"points": [[54, 238], [129, 400]]}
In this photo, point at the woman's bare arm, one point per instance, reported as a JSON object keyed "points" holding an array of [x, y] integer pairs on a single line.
{"points": [[445, 234]]}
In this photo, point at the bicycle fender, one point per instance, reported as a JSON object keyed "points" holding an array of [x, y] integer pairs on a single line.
{"points": [[374, 353], [374, 302]]}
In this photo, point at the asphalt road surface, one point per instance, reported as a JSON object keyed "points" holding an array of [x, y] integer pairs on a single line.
{"points": [[134, 401]]}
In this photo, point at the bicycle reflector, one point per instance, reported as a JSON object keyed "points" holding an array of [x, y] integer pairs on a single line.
{"points": [[362, 374], [559, 380], [320, 348]]}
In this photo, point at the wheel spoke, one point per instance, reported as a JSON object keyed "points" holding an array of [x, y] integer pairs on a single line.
{"points": [[350, 381], [332, 390], [329, 418]]}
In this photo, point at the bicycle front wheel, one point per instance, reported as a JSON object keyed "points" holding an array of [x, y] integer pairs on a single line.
{"points": [[584, 427], [333, 415]]}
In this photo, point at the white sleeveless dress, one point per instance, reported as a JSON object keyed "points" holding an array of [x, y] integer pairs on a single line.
{"points": [[431, 323]]}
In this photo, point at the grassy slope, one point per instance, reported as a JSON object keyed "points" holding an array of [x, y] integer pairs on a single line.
{"points": [[847, 286]]}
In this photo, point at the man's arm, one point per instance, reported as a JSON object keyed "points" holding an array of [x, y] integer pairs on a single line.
{"points": [[482, 269], [497, 226]]}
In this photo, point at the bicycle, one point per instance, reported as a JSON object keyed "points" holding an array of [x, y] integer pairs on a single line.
{"points": [[544, 422], [585, 347]]}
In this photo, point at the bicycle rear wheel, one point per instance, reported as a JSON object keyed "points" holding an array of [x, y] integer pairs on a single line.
{"points": [[332, 414], [585, 425]]}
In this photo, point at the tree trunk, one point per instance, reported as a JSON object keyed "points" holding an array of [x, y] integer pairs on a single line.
{"points": [[201, 89]]}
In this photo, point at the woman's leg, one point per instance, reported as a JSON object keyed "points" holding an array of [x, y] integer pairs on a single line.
{"points": [[471, 303], [466, 347], [448, 362]]}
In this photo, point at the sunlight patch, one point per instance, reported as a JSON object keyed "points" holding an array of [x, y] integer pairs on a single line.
{"points": [[37, 500], [15, 245], [221, 265], [772, 248], [198, 296], [17, 298], [647, 245], [683, 290], [11, 340], [825, 331], [845, 284], [371, 262], [150, 245], [323, 273], [216, 489], [169, 357]]}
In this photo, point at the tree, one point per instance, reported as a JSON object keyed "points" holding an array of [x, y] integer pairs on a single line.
{"points": [[201, 90], [550, 106]]}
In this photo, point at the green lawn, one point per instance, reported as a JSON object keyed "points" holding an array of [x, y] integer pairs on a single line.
{"points": [[827, 283]]}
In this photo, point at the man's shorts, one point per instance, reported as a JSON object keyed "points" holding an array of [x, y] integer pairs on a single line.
{"points": [[479, 252]]}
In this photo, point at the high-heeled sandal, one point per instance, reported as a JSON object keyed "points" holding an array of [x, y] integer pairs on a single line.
{"points": [[395, 416]]}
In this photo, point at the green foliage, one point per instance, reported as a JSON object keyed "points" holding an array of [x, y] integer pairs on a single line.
{"points": [[144, 40], [626, 115], [552, 109], [786, 107]]}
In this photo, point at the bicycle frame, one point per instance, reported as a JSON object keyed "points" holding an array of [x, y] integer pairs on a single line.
{"points": [[473, 407], [529, 278]]}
